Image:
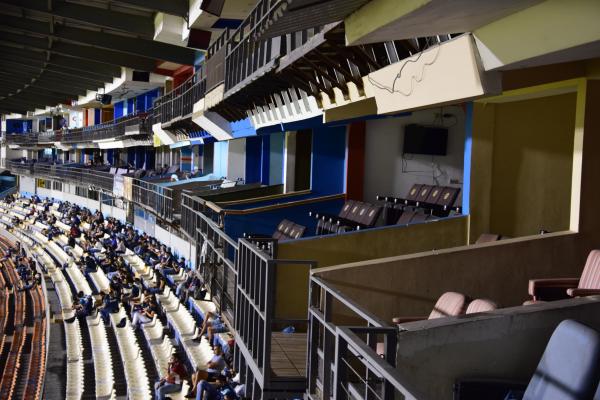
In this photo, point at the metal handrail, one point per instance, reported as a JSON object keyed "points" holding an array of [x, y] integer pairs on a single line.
{"points": [[157, 198], [104, 131], [179, 103], [323, 361], [79, 176]]}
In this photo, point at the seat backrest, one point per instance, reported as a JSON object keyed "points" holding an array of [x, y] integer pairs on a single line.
{"points": [[346, 208], [362, 212], [481, 305], [450, 304], [371, 215], [447, 197], [414, 191], [424, 193], [569, 368], [434, 195], [354, 211], [590, 277]]}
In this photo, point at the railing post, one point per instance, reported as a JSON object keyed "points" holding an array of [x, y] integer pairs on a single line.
{"points": [[341, 369], [328, 345]]}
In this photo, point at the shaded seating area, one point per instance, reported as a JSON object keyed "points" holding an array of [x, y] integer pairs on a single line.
{"points": [[354, 215], [286, 230], [422, 202], [452, 304]]}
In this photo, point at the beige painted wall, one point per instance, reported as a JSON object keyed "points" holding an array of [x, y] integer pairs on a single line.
{"points": [[532, 165], [378, 243], [292, 280]]}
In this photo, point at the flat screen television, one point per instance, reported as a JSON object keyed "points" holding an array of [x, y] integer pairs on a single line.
{"points": [[420, 139]]}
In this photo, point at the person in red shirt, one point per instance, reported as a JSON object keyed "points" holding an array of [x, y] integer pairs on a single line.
{"points": [[171, 382]]}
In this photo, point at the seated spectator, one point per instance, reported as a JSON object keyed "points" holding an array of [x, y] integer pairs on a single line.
{"points": [[212, 324], [221, 389], [171, 383], [214, 369], [145, 315], [110, 304]]}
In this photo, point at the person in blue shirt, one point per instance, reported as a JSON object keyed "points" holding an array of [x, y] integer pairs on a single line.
{"points": [[219, 390]]}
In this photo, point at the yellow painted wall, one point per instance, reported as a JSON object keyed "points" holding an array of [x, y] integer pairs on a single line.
{"points": [[371, 244], [292, 280], [532, 165]]}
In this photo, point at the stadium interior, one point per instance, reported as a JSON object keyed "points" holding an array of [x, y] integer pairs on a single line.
{"points": [[298, 199]]}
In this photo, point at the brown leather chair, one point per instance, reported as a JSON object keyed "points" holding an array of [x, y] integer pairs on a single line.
{"points": [[563, 288], [481, 305], [450, 304]]}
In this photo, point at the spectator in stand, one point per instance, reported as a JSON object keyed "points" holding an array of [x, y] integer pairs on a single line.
{"points": [[212, 324], [110, 304], [221, 389], [214, 369], [171, 383], [146, 314]]}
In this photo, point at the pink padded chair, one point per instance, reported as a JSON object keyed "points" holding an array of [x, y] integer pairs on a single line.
{"points": [[563, 288], [481, 305], [450, 304]]}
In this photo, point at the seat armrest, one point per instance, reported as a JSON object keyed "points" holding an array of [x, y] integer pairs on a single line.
{"points": [[538, 288], [402, 320], [576, 292]]}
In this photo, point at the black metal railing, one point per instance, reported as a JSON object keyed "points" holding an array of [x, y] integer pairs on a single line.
{"points": [[135, 124], [343, 361], [215, 61], [179, 103], [216, 252], [245, 55], [158, 199], [255, 320], [87, 177]]}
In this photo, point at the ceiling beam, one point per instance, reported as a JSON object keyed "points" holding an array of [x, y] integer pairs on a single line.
{"points": [[90, 15], [49, 77], [30, 95], [64, 88], [12, 110], [76, 64], [54, 72], [28, 105], [85, 52], [20, 62], [179, 8], [140, 47]]}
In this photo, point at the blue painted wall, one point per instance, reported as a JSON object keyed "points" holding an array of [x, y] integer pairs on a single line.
{"points": [[328, 160], [97, 118], [466, 189], [266, 222], [19, 125], [220, 159], [144, 101], [130, 106], [253, 159], [119, 109]]}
